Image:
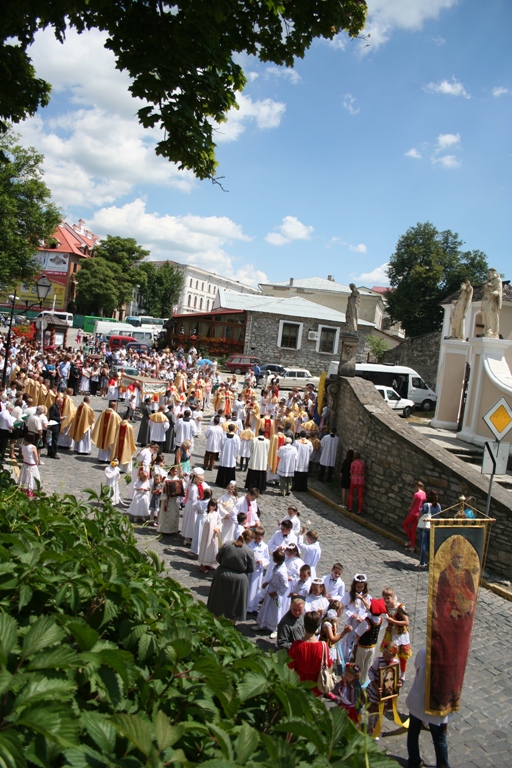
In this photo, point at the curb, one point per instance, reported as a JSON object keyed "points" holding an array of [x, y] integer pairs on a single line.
{"points": [[503, 592]]}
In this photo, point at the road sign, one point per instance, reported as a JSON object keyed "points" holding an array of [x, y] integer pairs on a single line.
{"points": [[41, 324], [499, 418], [500, 453]]}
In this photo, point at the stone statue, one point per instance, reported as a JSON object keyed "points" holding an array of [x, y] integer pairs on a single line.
{"points": [[352, 312], [460, 310], [491, 305]]}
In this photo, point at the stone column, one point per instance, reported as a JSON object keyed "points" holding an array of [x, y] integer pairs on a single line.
{"points": [[349, 341]]}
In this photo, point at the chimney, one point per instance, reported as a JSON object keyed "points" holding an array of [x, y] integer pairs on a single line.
{"points": [[330, 278], [291, 280]]}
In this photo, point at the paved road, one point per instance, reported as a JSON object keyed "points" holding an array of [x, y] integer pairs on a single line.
{"points": [[480, 735]]}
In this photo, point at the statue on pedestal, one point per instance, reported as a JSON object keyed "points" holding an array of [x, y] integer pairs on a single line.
{"points": [[491, 305], [460, 310], [351, 315]]}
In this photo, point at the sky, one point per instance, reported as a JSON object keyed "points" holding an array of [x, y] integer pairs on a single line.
{"points": [[324, 166]]}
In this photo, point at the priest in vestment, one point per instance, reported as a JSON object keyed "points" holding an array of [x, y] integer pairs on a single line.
{"points": [[158, 426], [80, 429], [123, 447], [67, 414], [276, 442], [258, 461], [104, 431]]}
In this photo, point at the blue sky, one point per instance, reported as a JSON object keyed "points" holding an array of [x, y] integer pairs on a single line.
{"points": [[327, 165]]}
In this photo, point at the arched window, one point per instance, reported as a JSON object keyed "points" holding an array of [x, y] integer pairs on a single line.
{"points": [[201, 304], [195, 302], [197, 285], [189, 299], [202, 286], [191, 282], [207, 304]]}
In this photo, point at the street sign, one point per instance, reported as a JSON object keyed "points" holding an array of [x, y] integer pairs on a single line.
{"points": [[41, 324], [499, 418], [500, 453]]}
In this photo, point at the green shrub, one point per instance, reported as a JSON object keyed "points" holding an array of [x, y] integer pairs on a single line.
{"points": [[105, 661]]}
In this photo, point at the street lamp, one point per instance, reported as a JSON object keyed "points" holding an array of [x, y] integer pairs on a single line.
{"points": [[43, 288]]}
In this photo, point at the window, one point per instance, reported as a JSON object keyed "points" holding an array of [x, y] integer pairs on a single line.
{"points": [[195, 302], [202, 286], [418, 383], [392, 395], [201, 304], [191, 282], [207, 304], [197, 285], [189, 299], [327, 339], [290, 335]]}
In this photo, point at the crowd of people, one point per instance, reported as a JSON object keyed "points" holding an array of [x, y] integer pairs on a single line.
{"points": [[255, 437]]}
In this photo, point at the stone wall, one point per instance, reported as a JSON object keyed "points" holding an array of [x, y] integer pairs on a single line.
{"points": [[396, 455], [420, 353], [262, 334]]}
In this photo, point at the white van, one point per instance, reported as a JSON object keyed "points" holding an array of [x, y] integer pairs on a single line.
{"points": [[406, 381], [144, 335], [67, 317]]}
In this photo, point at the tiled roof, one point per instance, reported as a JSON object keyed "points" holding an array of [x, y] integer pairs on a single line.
{"points": [[294, 306]]}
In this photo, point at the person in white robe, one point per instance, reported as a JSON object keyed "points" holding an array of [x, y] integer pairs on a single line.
{"points": [[209, 545], [261, 560], [316, 600], [158, 426], [304, 450], [287, 456], [185, 429], [226, 504], [329, 447], [201, 509], [169, 515], [249, 505], [310, 550], [282, 537], [292, 514], [141, 460], [139, 507], [112, 474], [301, 585], [293, 565], [274, 589], [194, 493], [213, 434], [228, 457]]}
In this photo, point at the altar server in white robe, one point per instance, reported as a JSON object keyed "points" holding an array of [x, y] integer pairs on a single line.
{"points": [[287, 456], [228, 456], [158, 426], [226, 506], [275, 589], [329, 446], [261, 561]]}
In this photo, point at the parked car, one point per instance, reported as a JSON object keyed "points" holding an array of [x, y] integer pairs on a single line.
{"points": [[270, 368], [116, 342], [240, 363], [399, 404], [296, 377], [141, 349]]}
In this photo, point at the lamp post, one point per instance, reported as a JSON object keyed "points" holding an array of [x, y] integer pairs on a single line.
{"points": [[43, 288]]}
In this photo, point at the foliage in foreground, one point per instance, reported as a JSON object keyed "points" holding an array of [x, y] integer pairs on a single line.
{"points": [[106, 662]]}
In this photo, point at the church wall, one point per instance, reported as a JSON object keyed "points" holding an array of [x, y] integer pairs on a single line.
{"points": [[262, 335], [396, 455], [420, 353]]}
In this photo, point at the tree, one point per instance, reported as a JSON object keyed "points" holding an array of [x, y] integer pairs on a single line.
{"points": [[180, 56], [27, 215], [105, 282], [426, 267], [377, 346], [160, 288]]}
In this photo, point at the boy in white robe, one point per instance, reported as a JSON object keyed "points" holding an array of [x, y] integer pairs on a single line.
{"points": [[334, 585], [310, 550], [112, 474], [261, 559], [275, 589]]}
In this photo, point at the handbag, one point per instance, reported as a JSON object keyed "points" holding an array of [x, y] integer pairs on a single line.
{"points": [[326, 679]]}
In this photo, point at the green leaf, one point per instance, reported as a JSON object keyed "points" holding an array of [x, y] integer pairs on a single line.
{"points": [[62, 657], [53, 722], [42, 633], [52, 689], [301, 727], [252, 685], [85, 636], [11, 750], [167, 734], [25, 594], [223, 740], [100, 729], [8, 636], [135, 730], [246, 743], [85, 757]]}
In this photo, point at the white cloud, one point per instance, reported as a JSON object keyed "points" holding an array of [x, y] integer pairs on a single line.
{"points": [[500, 91], [447, 88], [284, 73], [446, 161], [265, 113], [413, 152], [447, 140], [290, 229], [349, 102], [188, 239], [378, 276], [386, 16], [438, 40]]}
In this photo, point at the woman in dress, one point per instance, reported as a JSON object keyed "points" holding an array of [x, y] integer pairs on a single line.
{"points": [[182, 456], [85, 380], [95, 379], [104, 379], [230, 585], [345, 476], [307, 654], [29, 473], [356, 483]]}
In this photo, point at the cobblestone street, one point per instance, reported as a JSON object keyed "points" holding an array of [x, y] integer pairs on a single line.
{"points": [[480, 735]]}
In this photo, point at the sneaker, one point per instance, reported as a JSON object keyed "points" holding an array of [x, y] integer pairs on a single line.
{"points": [[273, 635]]}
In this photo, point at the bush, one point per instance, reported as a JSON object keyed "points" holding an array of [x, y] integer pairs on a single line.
{"points": [[105, 661]]}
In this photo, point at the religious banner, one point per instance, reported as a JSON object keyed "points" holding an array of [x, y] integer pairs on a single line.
{"points": [[457, 549]]}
